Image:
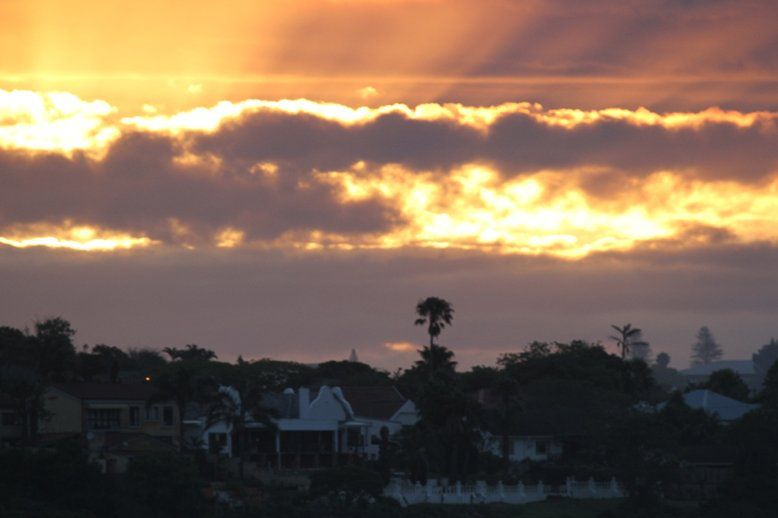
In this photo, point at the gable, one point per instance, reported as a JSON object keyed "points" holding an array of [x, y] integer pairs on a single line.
{"points": [[327, 406]]}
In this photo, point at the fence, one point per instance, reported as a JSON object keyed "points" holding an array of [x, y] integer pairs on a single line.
{"points": [[408, 493]]}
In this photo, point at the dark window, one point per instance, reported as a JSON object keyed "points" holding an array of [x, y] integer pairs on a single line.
{"points": [[541, 447], [104, 419], [152, 413], [167, 415], [134, 416]]}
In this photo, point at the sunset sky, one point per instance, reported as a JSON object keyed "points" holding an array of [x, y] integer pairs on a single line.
{"points": [[287, 178]]}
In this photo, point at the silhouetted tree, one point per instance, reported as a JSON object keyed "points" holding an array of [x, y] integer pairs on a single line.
{"points": [[705, 350], [727, 383], [435, 358], [145, 360], [663, 360], [24, 387], [191, 352], [237, 401], [765, 357], [769, 394], [180, 383], [53, 350], [627, 339], [436, 314]]}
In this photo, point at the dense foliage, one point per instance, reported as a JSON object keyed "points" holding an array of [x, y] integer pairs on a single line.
{"points": [[602, 408]]}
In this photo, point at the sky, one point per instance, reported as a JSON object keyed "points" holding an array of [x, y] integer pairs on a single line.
{"points": [[288, 179]]}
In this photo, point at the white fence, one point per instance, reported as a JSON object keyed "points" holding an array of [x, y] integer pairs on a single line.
{"points": [[408, 493]]}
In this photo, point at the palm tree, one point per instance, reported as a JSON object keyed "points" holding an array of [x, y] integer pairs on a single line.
{"points": [[437, 313], [627, 338], [239, 402]]}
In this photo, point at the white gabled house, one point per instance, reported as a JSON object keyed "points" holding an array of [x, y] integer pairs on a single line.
{"points": [[335, 426]]}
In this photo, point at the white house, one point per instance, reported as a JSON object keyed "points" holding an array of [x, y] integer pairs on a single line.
{"points": [[535, 448], [336, 426]]}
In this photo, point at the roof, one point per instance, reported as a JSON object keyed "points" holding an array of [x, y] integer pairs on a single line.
{"points": [[727, 409], [374, 402], [742, 367], [108, 391]]}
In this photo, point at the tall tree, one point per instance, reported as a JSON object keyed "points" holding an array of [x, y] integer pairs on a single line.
{"points": [[705, 350], [180, 383], [727, 383], [436, 314], [765, 357], [239, 401], [24, 388], [436, 358], [627, 339], [53, 349], [663, 360]]}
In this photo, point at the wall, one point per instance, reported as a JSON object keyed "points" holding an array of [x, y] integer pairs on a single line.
{"points": [[64, 413]]}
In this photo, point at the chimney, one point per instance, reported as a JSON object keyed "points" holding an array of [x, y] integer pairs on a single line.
{"points": [[304, 398]]}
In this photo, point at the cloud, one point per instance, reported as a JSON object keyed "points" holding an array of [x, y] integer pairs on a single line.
{"points": [[513, 178], [401, 347]]}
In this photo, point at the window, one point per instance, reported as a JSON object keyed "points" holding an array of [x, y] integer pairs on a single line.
{"points": [[152, 413], [541, 447], [134, 416], [167, 415], [104, 419]]}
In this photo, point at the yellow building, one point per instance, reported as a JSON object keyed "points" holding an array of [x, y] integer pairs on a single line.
{"points": [[116, 420]]}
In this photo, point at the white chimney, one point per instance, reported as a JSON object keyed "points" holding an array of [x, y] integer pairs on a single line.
{"points": [[304, 399]]}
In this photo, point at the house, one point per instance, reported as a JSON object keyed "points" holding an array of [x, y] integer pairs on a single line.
{"points": [[724, 408], [536, 448], [336, 426], [114, 418], [743, 368]]}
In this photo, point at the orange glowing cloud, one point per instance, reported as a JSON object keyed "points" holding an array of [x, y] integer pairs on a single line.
{"points": [[82, 238], [401, 347], [513, 178]]}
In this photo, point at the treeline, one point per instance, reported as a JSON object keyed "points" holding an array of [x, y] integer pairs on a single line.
{"points": [[599, 405]]}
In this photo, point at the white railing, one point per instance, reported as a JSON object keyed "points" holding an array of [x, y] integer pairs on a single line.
{"points": [[408, 493]]}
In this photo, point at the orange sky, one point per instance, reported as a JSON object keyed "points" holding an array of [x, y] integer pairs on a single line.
{"points": [[542, 130], [182, 55]]}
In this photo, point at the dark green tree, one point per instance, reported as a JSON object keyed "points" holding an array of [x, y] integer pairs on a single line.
{"points": [[727, 383], [24, 387], [239, 399], [53, 350], [765, 357], [179, 382]]}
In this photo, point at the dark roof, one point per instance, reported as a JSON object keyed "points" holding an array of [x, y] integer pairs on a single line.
{"points": [[374, 402], [112, 391]]}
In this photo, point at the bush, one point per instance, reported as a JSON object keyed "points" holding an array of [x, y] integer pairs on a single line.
{"points": [[352, 482]]}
